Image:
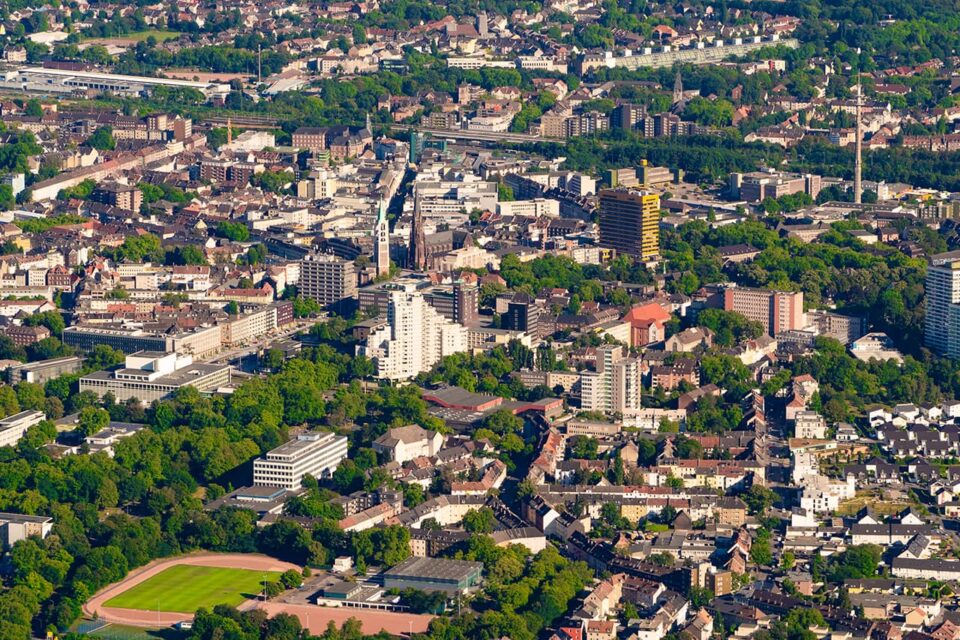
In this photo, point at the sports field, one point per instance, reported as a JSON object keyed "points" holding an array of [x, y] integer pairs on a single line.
{"points": [[185, 588]]}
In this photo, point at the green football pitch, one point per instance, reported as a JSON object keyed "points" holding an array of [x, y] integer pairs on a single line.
{"points": [[185, 588]]}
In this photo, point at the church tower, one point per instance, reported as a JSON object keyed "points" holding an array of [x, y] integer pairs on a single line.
{"points": [[381, 241]]}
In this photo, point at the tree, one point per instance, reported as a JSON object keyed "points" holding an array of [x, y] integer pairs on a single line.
{"points": [[33, 108], [758, 499], [184, 255], [700, 596], [480, 520], [92, 420], [585, 447], [760, 552], [102, 139], [502, 422], [235, 231]]}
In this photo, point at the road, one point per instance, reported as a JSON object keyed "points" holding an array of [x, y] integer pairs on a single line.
{"points": [[238, 353]]}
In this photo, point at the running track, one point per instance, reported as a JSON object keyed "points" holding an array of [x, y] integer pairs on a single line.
{"points": [[141, 618], [314, 617]]}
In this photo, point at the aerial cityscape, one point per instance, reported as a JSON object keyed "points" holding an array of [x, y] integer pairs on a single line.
{"points": [[479, 320]]}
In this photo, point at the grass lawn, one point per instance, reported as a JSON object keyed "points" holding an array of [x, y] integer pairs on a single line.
{"points": [[874, 501], [185, 588]]}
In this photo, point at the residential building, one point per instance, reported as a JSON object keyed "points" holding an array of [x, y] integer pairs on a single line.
{"points": [[776, 310], [406, 443], [415, 337], [24, 335], [122, 196], [615, 386], [314, 454], [630, 222], [942, 326]]}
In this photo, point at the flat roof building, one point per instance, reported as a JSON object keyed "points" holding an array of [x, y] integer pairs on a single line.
{"points": [[15, 527], [154, 375], [433, 574], [315, 454], [44, 370], [630, 222], [328, 279], [776, 310], [12, 428]]}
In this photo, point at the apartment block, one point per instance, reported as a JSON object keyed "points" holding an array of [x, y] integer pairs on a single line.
{"points": [[616, 384], [942, 325], [415, 337], [315, 454], [776, 310]]}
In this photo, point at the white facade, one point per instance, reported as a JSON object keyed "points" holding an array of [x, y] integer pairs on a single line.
{"points": [[13, 427], [810, 424], [415, 337], [316, 454], [616, 384], [941, 330]]}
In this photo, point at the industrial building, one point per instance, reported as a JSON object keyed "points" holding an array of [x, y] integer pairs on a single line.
{"points": [[433, 574], [67, 81]]}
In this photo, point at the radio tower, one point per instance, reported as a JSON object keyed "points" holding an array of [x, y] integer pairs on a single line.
{"points": [[858, 164]]}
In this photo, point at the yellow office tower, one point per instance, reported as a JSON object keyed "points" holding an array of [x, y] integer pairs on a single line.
{"points": [[630, 222]]}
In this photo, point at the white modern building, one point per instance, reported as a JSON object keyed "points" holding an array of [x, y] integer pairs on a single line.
{"points": [[942, 328], [15, 527], [13, 427], [616, 384], [154, 375], [415, 337], [315, 454]]}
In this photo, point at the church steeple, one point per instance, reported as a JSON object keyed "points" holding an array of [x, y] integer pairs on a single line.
{"points": [[418, 243], [678, 88], [381, 241]]}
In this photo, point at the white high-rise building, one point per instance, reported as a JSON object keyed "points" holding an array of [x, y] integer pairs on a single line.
{"points": [[615, 386], [942, 326], [415, 337]]}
